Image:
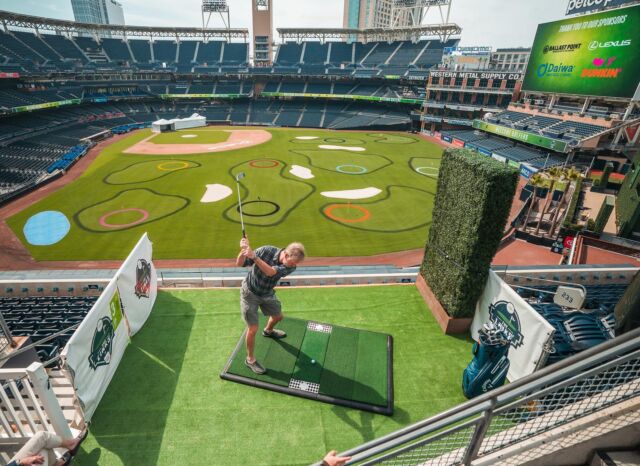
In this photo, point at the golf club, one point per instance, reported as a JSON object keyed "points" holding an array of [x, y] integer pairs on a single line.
{"points": [[239, 176]]}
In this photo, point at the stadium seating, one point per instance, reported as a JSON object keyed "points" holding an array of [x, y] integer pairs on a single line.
{"points": [[116, 50], [577, 330], [315, 52], [141, 50], [43, 316], [165, 51]]}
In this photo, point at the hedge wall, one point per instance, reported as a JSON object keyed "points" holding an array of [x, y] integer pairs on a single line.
{"points": [[628, 201], [471, 210]]}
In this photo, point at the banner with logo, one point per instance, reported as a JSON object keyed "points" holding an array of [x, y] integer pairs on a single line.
{"points": [[524, 136], [527, 331], [584, 6], [592, 55], [94, 351], [138, 284]]}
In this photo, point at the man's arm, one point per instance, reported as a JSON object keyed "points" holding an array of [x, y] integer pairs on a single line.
{"points": [[241, 258], [267, 269], [247, 253]]}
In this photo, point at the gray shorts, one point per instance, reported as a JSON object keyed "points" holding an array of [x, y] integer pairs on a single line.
{"points": [[250, 302]]}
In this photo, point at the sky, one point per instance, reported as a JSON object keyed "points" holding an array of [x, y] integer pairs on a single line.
{"points": [[495, 23]]}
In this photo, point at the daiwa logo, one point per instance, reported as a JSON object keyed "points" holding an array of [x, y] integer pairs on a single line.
{"points": [[102, 344], [504, 316], [595, 45], [551, 69]]}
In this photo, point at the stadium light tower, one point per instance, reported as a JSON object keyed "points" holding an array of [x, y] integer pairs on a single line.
{"points": [[414, 13], [211, 7]]}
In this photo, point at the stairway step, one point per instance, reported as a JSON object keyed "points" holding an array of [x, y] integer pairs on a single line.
{"points": [[616, 458]]}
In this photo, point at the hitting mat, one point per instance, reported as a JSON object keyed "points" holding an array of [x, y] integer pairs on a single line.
{"points": [[322, 362]]}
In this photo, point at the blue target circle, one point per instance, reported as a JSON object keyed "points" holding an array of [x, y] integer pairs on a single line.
{"points": [[46, 228], [342, 169]]}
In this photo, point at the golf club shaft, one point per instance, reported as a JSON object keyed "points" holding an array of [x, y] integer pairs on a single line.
{"points": [[244, 235]]}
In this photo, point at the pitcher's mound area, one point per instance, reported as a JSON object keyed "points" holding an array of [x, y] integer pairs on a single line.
{"points": [[237, 140], [322, 362]]}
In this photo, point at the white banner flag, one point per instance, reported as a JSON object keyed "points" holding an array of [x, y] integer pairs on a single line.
{"points": [[96, 348], [138, 284], [528, 332]]}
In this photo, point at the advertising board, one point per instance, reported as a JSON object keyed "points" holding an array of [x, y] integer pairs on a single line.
{"points": [[592, 55]]}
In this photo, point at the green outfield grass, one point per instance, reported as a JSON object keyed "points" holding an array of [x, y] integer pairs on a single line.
{"points": [[202, 136], [166, 404], [121, 196]]}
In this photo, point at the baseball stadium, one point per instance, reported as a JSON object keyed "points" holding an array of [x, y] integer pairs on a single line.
{"points": [[452, 231]]}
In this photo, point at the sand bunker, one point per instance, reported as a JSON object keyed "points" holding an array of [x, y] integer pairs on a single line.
{"points": [[349, 148], [301, 172], [306, 138], [216, 192], [237, 140], [364, 193], [187, 136]]}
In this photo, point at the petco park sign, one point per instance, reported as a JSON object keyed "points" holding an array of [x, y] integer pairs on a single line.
{"points": [[582, 6]]}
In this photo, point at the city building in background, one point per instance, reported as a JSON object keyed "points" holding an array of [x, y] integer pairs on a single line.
{"points": [[511, 59], [466, 58], [98, 11], [393, 14]]}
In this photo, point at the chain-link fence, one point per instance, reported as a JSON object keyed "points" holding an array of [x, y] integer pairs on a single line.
{"points": [[557, 395]]}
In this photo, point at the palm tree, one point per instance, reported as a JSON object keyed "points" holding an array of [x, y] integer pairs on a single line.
{"points": [[571, 175], [537, 180], [554, 175]]}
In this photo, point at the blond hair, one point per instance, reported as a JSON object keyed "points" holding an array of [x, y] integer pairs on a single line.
{"points": [[296, 251]]}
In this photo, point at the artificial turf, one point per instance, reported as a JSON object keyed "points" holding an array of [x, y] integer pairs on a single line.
{"points": [[121, 196], [167, 405], [351, 367]]}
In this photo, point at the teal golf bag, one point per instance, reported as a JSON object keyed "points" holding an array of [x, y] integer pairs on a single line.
{"points": [[490, 364]]}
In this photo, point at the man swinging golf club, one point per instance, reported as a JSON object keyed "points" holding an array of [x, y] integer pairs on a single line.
{"points": [[268, 265]]}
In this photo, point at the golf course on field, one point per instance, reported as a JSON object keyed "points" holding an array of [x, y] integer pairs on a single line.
{"points": [[340, 193]]}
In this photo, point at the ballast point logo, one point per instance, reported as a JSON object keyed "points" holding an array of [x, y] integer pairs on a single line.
{"points": [[603, 69], [553, 70], [561, 48]]}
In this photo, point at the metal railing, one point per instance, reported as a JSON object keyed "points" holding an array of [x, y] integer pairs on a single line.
{"points": [[28, 404], [554, 396]]}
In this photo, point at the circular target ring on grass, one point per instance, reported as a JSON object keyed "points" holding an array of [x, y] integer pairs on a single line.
{"points": [[103, 220], [330, 211], [259, 208], [264, 163], [351, 169], [172, 166], [428, 171], [335, 140]]}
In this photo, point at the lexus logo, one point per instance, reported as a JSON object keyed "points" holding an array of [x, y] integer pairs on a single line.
{"points": [[594, 45]]}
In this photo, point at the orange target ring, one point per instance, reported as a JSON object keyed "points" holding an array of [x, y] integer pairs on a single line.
{"points": [[328, 211]]}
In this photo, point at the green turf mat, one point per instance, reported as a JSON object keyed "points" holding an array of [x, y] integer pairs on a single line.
{"points": [[314, 348], [278, 355], [352, 367], [339, 371]]}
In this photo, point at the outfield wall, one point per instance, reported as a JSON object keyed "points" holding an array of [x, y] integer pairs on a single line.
{"points": [[35, 283]]}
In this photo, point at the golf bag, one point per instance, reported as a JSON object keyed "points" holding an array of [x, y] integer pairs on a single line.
{"points": [[490, 364]]}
